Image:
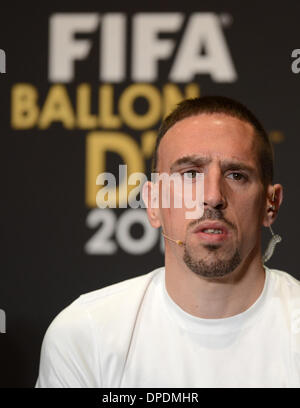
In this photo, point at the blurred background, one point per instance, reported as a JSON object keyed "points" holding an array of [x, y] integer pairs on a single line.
{"points": [[85, 89]]}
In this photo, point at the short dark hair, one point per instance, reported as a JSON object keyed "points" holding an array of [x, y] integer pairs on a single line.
{"points": [[227, 106]]}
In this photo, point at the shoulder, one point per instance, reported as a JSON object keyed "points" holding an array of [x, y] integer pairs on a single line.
{"points": [[102, 302], [95, 321], [285, 284], [117, 289], [128, 294], [285, 293], [287, 289]]}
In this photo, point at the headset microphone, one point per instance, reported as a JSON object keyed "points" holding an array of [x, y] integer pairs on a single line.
{"points": [[177, 241]]}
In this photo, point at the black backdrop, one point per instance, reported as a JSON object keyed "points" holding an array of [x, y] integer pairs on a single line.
{"points": [[55, 245]]}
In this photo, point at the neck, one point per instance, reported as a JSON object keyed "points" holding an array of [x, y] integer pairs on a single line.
{"points": [[215, 298]]}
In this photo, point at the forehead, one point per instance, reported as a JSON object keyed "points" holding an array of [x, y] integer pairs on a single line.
{"points": [[218, 136]]}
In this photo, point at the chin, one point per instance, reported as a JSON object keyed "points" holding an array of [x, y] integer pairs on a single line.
{"points": [[212, 266]]}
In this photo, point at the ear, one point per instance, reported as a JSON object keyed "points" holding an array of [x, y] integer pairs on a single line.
{"points": [[273, 202], [151, 200]]}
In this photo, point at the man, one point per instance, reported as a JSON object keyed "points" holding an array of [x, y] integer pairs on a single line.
{"points": [[215, 316]]}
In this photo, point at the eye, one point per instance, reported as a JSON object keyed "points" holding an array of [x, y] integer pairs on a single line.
{"points": [[191, 173], [236, 176]]}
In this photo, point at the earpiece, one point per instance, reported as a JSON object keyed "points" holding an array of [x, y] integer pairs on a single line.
{"points": [[275, 237], [272, 207]]}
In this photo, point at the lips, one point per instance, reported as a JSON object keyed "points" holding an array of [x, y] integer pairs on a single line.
{"points": [[211, 231]]}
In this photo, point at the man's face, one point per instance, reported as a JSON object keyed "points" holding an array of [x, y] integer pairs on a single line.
{"points": [[225, 149]]}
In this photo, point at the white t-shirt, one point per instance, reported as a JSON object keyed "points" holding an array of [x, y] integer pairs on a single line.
{"points": [[132, 334]]}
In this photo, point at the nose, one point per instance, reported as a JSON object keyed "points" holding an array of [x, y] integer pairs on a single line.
{"points": [[214, 195]]}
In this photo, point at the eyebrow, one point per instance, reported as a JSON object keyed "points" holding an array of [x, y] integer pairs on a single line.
{"points": [[200, 161]]}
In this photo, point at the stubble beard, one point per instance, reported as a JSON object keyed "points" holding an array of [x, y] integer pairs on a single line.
{"points": [[216, 268]]}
